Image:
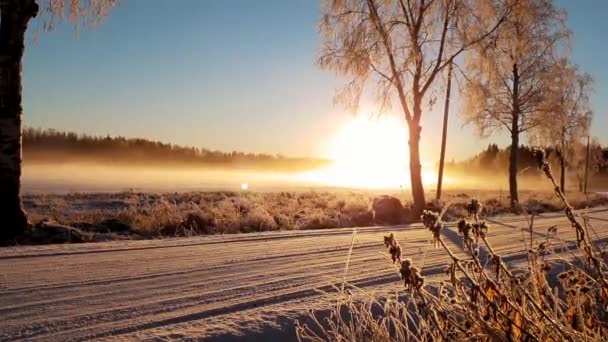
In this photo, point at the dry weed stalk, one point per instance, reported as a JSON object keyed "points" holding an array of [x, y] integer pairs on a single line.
{"points": [[485, 300]]}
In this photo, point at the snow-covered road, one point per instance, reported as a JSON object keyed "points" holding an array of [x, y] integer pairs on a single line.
{"points": [[231, 287]]}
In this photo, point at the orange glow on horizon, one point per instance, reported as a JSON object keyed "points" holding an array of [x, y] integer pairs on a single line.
{"points": [[370, 153]]}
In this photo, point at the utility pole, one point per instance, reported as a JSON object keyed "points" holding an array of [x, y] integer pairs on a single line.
{"points": [[589, 117], [446, 111], [586, 164]]}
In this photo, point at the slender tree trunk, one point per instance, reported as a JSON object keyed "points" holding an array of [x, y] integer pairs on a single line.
{"points": [[513, 169], [562, 163], [15, 15], [415, 165], [587, 163], [514, 140], [444, 135], [562, 176]]}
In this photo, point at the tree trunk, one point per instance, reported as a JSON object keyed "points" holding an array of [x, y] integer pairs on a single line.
{"points": [[513, 169], [562, 162], [415, 166], [587, 162], [444, 135], [514, 139], [562, 176], [15, 15]]}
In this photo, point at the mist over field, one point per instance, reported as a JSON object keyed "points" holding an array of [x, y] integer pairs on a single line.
{"points": [[64, 162], [89, 177], [73, 177]]}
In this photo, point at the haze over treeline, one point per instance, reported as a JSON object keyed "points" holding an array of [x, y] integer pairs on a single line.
{"points": [[50, 146], [494, 161]]}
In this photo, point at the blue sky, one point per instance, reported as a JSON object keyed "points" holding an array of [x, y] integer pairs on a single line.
{"points": [[229, 75]]}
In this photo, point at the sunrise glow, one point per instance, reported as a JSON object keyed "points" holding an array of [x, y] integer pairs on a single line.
{"points": [[369, 153]]}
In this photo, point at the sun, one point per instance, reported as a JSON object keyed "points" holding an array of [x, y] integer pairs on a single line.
{"points": [[369, 152]]}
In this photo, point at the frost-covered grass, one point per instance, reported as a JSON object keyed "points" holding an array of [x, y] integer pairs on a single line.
{"points": [[194, 213]]}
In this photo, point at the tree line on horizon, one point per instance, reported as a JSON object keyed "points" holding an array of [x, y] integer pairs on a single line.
{"points": [[494, 161], [53, 146]]}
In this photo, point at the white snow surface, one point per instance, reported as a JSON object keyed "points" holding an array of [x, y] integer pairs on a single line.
{"points": [[246, 287]]}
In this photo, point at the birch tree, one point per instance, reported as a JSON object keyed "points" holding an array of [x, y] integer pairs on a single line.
{"points": [[509, 79], [15, 16], [398, 48], [567, 126]]}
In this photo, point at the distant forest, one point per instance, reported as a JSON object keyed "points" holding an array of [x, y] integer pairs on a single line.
{"points": [[495, 160], [52, 146]]}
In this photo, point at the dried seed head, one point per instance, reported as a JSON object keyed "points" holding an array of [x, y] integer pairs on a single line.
{"points": [[412, 279], [395, 252], [388, 240], [431, 221], [474, 207], [394, 248], [429, 218], [436, 230]]}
